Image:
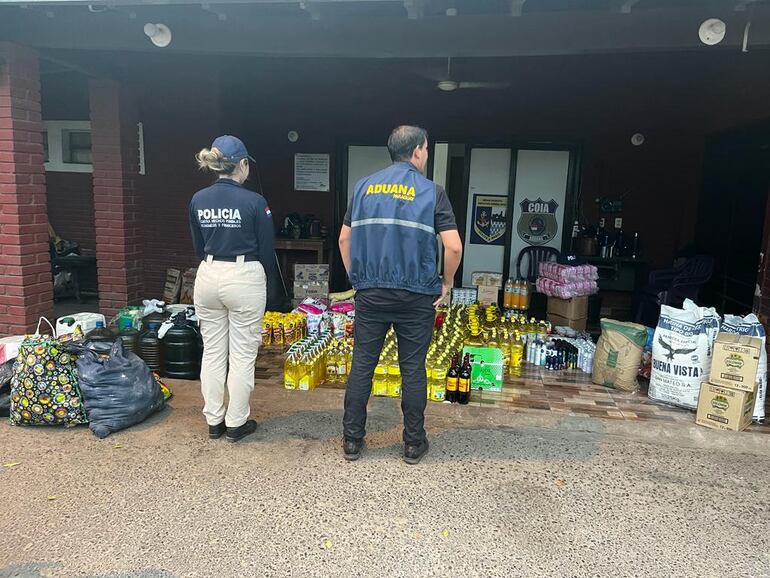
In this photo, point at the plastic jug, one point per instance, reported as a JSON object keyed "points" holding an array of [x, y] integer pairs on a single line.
{"points": [[150, 349], [181, 350], [100, 339], [86, 321], [128, 335]]}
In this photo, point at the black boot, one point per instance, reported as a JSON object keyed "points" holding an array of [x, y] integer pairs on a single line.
{"points": [[352, 449], [217, 431], [413, 454], [235, 434]]}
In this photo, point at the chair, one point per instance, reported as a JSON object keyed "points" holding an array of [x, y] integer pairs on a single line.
{"points": [[538, 303], [535, 256], [673, 286]]}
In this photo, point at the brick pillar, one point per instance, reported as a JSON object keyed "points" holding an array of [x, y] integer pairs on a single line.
{"points": [[114, 141], [26, 287]]}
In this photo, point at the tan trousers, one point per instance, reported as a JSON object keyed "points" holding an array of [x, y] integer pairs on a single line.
{"points": [[230, 302]]}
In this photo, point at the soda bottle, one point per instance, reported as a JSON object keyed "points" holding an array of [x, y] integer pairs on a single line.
{"points": [[516, 297], [508, 300], [524, 295], [453, 380], [464, 382]]}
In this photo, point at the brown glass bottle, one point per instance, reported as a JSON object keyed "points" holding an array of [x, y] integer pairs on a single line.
{"points": [[452, 379], [464, 383]]}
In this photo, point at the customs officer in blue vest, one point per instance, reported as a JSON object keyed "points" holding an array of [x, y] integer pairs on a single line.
{"points": [[389, 247]]}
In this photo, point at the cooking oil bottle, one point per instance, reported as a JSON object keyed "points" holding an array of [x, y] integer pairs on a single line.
{"points": [[290, 370], [394, 377], [439, 370], [380, 380], [517, 355]]}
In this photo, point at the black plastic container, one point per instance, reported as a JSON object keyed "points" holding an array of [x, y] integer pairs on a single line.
{"points": [[130, 338], [181, 350], [99, 339], [150, 347]]}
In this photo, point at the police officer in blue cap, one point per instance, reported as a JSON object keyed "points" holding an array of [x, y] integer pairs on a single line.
{"points": [[232, 230], [389, 247]]}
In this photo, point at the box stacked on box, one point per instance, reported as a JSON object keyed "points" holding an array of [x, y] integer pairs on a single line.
{"points": [[568, 312], [726, 401], [311, 281]]}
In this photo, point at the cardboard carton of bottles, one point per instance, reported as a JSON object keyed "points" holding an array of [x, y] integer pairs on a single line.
{"points": [[735, 361], [486, 368], [724, 408]]}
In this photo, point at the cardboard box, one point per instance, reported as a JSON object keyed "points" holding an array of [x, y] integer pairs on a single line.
{"points": [[173, 286], [576, 324], [575, 308], [464, 296], [487, 295], [724, 408], [487, 279], [735, 361], [188, 286], [486, 368], [311, 273], [304, 290]]}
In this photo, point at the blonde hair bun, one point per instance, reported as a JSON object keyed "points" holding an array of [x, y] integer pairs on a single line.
{"points": [[213, 160]]}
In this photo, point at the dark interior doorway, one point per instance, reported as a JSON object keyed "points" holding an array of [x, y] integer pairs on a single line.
{"points": [[731, 214]]}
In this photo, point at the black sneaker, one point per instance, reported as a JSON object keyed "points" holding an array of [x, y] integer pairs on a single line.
{"points": [[413, 454], [352, 449], [235, 434], [217, 431]]}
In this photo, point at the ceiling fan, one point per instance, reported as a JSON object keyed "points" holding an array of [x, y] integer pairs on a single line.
{"points": [[449, 84]]}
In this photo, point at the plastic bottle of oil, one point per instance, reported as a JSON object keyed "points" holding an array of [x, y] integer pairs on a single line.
{"points": [[438, 390], [290, 371], [517, 356], [394, 377], [380, 381], [305, 372]]}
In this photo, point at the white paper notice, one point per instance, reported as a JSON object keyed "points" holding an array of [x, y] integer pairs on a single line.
{"points": [[311, 172]]}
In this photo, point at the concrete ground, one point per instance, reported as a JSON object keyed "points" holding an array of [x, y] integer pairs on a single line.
{"points": [[500, 494]]}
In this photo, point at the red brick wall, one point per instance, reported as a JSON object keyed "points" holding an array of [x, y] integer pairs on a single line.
{"points": [[71, 208], [115, 183], [26, 290]]}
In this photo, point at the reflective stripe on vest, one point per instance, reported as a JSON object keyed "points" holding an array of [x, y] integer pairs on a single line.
{"points": [[399, 222]]}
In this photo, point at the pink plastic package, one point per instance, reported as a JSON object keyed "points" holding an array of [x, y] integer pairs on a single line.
{"points": [[568, 273], [343, 306], [312, 306], [566, 290]]}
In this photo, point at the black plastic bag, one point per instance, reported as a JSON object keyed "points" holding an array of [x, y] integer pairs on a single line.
{"points": [[118, 391], [6, 373]]}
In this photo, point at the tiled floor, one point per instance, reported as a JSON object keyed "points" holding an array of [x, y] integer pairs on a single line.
{"points": [[562, 392]]}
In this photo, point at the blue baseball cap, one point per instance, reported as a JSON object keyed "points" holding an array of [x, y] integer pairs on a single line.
{"points": [[232, 148]]}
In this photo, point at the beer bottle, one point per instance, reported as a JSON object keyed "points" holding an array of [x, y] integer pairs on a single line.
{"points": [[464, 383], [452, 380]]}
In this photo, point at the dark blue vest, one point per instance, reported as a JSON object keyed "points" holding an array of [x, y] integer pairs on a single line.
{"points": [[393, 237]]}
